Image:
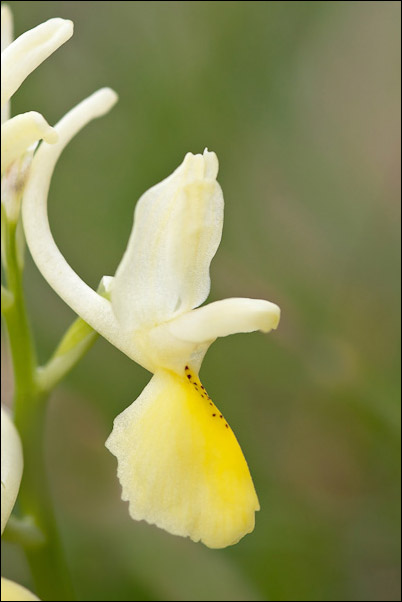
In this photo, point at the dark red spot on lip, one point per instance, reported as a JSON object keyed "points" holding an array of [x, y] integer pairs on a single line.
{"points": [[189, 376], [220, 416], [210, 403], [227, 426], [213, 414]]}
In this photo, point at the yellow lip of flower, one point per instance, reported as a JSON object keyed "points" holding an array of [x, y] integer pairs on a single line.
{"points": [[180, 466]]}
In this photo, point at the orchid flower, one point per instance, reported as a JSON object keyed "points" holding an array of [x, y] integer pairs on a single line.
{"points": [[18, 60], [21, 134], [11, 473], [179, 463]]}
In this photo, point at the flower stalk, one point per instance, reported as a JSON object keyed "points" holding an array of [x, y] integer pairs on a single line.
{"points": [[36, 531], [46, 559]]}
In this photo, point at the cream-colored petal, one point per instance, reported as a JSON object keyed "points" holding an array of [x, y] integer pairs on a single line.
{"points": [[180, 465], [28, 51], [13, 591], [18, 133], [89, 305], [177, 229], [11, 466], [221, 318], [186, 339]]}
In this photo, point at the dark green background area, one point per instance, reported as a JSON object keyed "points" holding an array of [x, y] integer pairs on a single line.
{"points": [[300, 101]]}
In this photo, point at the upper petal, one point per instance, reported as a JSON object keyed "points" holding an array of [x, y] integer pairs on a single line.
{"points": [[11, 466], [177, 229], [28, 51]]}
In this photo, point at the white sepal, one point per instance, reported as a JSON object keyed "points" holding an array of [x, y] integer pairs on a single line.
{"points": [[88, 304]]}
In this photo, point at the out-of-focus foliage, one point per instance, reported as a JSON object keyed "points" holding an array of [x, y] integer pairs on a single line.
{"points": [[300, 100]]}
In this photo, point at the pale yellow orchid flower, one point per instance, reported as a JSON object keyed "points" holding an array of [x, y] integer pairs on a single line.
{"points": [[179, 463]]}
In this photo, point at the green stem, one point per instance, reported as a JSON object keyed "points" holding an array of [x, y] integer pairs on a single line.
{"points": [[46, 561], [78, 339]]}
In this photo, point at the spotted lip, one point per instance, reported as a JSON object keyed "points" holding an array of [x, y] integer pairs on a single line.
{"points": [[193, 380]]}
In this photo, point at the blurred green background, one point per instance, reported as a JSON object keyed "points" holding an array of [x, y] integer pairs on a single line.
{"points": [[300, 100]]}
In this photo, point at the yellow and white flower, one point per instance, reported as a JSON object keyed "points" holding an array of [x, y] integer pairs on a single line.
{"points": [[179, 463]]}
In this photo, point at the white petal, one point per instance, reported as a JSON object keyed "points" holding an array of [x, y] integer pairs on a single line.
{"points": [[13, 591], [180, 465], [186, 339], [11, 466], [28, 51], [177, 229], [18, 133], [225, 317], [89, 305]]}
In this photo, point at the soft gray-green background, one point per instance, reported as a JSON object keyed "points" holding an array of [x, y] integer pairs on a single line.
{"points": [[300, 100]]}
